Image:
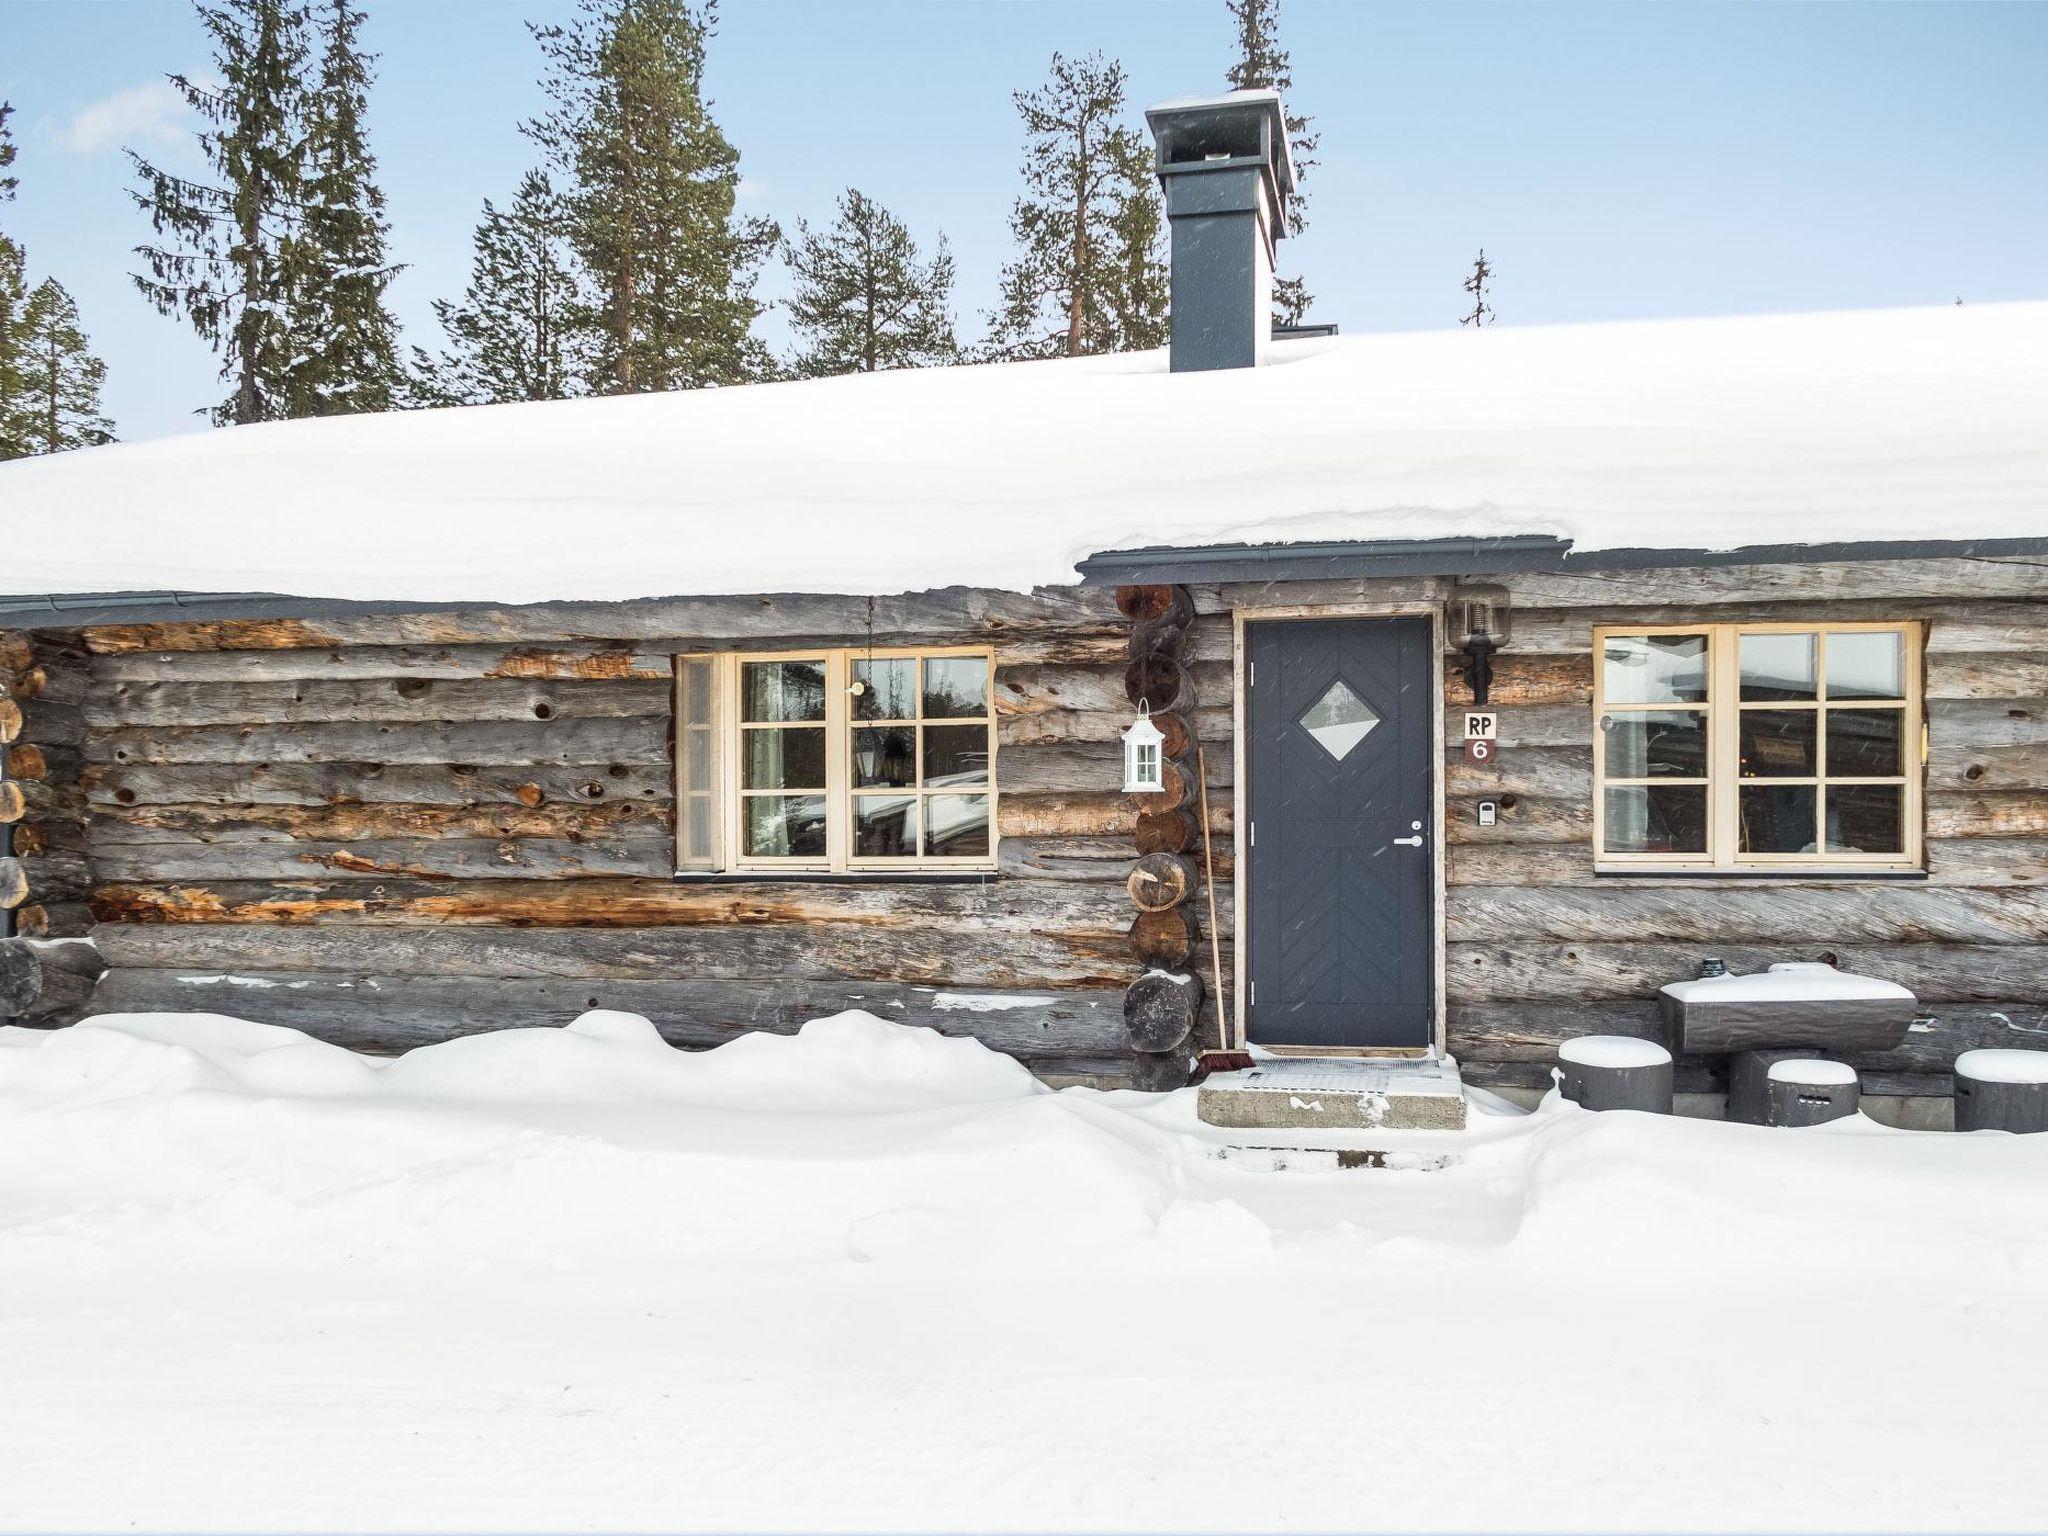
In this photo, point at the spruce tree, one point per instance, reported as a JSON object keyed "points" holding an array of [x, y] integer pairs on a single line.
{"points": [[1262, 64], [348, 341], [1088, 275], [652, 186], [58, 406], [13, 296], [1476, 285], [234, 253], [863, 300], [519, 331]]}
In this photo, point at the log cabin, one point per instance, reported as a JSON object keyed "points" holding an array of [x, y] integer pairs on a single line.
{"points": [[1498, 678]]}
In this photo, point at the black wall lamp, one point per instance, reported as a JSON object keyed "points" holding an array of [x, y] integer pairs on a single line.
{"points": [[1479, 616]]}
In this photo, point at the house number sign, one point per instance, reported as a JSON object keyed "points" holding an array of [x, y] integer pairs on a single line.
{"points": [[1481, 728]]}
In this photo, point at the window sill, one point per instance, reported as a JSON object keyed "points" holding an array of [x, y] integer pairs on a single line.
{"points": [[1788, 872], [835, 877]]}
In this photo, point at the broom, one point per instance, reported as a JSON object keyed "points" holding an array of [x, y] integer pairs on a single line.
{"points": [[1222, 1059]]}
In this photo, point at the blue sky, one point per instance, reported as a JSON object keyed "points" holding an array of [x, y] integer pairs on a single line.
{"points": [[1616, 161]]}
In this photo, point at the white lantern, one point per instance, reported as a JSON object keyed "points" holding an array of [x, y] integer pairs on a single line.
{"points": [[1144, 762]]}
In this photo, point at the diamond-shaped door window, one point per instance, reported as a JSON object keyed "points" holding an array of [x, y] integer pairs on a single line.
{"points": [[1339, 720]]}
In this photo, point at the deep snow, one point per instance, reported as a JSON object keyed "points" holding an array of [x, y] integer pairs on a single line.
{"points": [[874, 1278], [1871, 425]]}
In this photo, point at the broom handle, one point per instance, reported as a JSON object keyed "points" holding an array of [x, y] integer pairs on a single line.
{"points": [[1209, 877]]}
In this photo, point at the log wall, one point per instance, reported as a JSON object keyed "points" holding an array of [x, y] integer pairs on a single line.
{"points": [[389, 832], [390, 829]]}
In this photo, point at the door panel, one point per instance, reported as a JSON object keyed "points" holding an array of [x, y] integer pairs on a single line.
{"points": [[1340, 754]]}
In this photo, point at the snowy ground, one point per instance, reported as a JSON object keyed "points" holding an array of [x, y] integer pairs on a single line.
{"points": [[870, 1278]]}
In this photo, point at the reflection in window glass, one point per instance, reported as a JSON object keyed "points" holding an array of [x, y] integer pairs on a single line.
{"points": [[888, 689], [1655, 669], [1780, 743], [1656, 744], [1866, 818], [885, 757], [1778, 667], [793, 759], [785, 826], [783, 690], [885, 826], [955, 754], [1656, 818], [956, 826], [1776, 818], [955, 687], [1866, 664], [1866, 743]]}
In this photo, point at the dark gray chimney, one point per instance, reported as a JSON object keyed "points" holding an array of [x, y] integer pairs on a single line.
{"points": [[1226, 176]]}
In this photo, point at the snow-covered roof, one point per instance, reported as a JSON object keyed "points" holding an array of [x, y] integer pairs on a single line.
{"points": [[1847, 427]]}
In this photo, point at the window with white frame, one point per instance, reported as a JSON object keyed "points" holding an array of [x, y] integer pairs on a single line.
{"points": [[836, 759], [1758, 745]]}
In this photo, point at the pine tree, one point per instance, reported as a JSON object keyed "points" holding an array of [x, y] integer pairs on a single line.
{"points": [[235, 254], [653, 183], [1087, 276], [1475, 284], [1262, 64], [59, 403], [519, 332], [13, 296], [863, 300], [348, 341]]}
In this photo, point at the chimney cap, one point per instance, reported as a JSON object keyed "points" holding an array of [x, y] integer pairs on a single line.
{"points": [[1193, 130]]}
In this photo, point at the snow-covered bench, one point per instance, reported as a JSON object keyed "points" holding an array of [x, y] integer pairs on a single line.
{"points": [[1794, 1003]]}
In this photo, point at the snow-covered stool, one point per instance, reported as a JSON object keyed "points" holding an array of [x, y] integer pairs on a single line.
{"points": [[1803, 1090], [2002, 1091], [1615, 1072]]}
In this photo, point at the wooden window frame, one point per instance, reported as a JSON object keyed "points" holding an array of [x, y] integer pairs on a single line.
{"points": [[1723, 709], [839, 793]]}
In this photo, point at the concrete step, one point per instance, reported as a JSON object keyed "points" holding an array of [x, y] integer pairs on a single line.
{"points": [[1315, 1093]]}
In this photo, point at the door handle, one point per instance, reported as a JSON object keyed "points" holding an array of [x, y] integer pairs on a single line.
{"points": [[1410, 842]]}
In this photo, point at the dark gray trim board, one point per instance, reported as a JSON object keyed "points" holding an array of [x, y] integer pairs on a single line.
{"points": [[1348, 560]]}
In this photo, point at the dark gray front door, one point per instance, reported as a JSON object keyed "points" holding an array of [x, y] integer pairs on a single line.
{"points": [[1340, 753]]}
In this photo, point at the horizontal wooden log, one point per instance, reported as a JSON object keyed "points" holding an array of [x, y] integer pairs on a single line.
{"points": [[771, 617], [1761, 914], [1520, 819], [1163, 940], [13, 803], [138, 826], [57, 875], [33, 762], [1531, 1032], [1155, 604], [1988, 861], [1097, 729], [1996, 813], [1177, 790], [593, 662], [932, 954], [53, 920], [1105, 859], [368, 1011], [21, 977], [62, 999], [557, 743], [17, 652], [1071, 813], [1546, 971], [1168, 832], [48, 725], [1159, 881], [995, 907], [42, 838], [10, 720], [650, 852], [1163, 683], [351, 782], [1986, 768], [408, 698], [13, 883], [1089, 690], [1522, 680], [1978, 675], [1564, 773], [1988, 722], [1973, 861], [1955, 625], [1813, 583]]}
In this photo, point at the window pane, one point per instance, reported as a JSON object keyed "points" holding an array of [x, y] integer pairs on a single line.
{"points": [[888, 689], [1778, 667], [955, 686], [1866, 818], [1780, 743], [1863, 664], [785, 759], [698, 851], [956, 826], [1777, 818], [783, 690], [697, 692], [885, 756], [1654, 744], [1866, 743], [1656, 818], [785, 826], [697, 759], [885, 826], [1655, 669], [955, 754]]}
